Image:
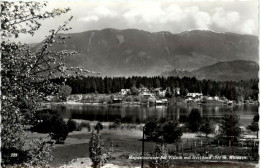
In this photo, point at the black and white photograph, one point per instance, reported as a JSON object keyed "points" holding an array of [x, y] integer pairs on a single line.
{"points": [[130, 83]]}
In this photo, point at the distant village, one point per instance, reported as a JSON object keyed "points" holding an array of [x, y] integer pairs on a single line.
{"points": [[153, 96]]}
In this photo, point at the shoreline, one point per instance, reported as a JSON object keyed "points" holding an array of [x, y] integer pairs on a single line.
{"points": [[138, 104]]}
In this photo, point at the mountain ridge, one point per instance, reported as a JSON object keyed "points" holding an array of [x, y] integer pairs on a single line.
{"points": [[221, 71], [130, 52]]}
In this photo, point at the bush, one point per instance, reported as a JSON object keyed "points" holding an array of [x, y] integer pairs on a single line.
{"points": [[151, 130], [194, 120], [128, 99], [81, 125], [115, 125], [137, 99], [64, 92], [171, 132], [59, 131], [206, 126], [134, 90], [151, 99], [168, 131], [72, 125], [43, 123], [98, 127]]}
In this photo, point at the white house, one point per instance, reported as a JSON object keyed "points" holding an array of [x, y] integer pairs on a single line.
{"points": [[216, 98], [124, 91], [210, 98], [146, 94], [195, 95]]}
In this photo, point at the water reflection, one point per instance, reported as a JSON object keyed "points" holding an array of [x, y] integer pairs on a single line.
{"points": [[140, 114]]}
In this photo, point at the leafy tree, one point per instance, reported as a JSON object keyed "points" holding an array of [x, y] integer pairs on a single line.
{"points": [[229, 126], [64, 92], [43, 122], [59, 130], [137, 99], [161, 158], [23, 84], [206, 126], [194, 120], [72, 125], [151, 130], [21, 71], [97, 152], [254, 125], [171, 132], [151, 99], [134, 90], [128, 99]]}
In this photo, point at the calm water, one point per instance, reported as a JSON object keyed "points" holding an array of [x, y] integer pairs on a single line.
{"points": [[139, 114]]}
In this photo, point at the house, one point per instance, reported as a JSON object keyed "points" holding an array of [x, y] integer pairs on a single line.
{"points": [[160, 92], [210, 98], [146, 94], [116, 99], [124, 92], [144, 90], [75, 97], [195, 96], [177, 91], [216, 98], [158, 102], [164, 101]]}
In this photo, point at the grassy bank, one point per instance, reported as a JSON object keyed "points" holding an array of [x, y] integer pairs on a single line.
{"points": [[125, 142]]}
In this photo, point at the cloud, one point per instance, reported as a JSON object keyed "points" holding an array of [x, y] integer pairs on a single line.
{"points": [[200, 18], [104, 12], [89, 18], [140, 14], [248, 27], [225, 19], [155, 13], [97, 13], [157, 16], [231, 21], [238, 17]]}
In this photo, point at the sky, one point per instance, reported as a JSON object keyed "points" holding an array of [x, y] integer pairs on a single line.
{"points": [[153, 16]]}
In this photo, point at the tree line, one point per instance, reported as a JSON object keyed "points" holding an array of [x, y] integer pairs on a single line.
{"points": [[233, 90]]}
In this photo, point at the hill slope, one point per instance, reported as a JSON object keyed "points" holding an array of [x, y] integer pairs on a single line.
{"points": [[231, 70]]}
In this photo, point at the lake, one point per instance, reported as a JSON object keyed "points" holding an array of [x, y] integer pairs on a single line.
{"points": [[140, 114]]}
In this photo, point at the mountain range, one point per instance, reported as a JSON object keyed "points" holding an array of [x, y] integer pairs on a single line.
{"points": [[207, 54]]}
